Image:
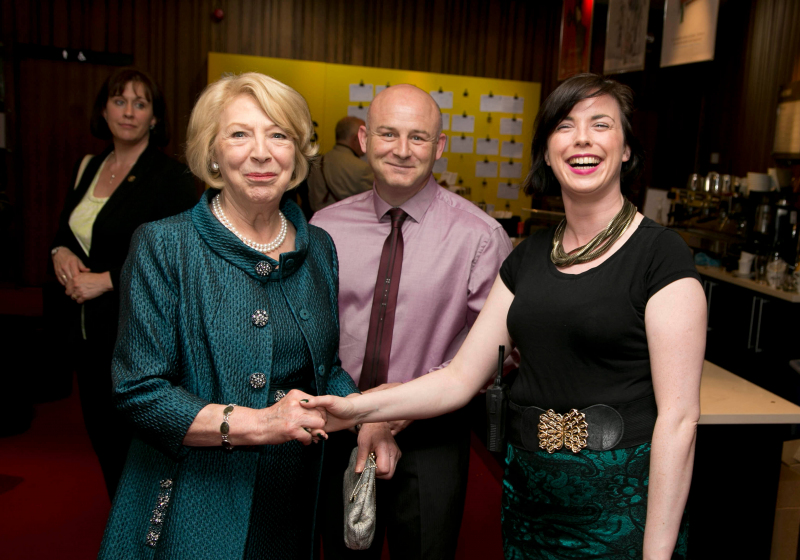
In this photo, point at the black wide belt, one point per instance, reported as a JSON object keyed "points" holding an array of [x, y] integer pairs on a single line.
{"points": [[599, 427]]}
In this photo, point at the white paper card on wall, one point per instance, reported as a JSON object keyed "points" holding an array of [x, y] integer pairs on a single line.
{"points": [[508, 190], [461, 145], [445, 121], [460, 123], [512, 105], [512, 127], [511, 170], [440, 166], [443, 99], [360, 92], [511, 149], [487, 146], [356, 111], [492, 103], [486, 169], [449, 177], [379, 89]]}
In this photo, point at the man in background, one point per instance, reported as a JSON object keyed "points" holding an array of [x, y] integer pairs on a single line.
{"points": [[416, 263], [341, 172]]}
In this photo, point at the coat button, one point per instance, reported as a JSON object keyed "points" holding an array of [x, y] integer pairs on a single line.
{"points": [[258, 380], [260, 317], [279, 394], [321, 369], [263, 268], [305, 315], [289, 262]]}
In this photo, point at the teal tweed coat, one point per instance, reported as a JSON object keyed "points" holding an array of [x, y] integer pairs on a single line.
{"points": [[187, 339]]}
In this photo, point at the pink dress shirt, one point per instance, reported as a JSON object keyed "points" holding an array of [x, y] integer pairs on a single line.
{"points": [[451, 257]]}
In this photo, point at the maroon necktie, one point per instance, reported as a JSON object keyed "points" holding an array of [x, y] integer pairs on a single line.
{"points": [[375, 370]]}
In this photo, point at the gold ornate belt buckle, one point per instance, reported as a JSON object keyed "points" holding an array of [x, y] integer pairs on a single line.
{"points": [[563, 430]]}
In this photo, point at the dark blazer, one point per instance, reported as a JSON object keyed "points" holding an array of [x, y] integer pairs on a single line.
{"points": [[157, 186]]}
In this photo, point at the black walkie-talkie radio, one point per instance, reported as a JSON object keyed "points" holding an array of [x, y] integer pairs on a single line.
{"points": [[496, 404]]}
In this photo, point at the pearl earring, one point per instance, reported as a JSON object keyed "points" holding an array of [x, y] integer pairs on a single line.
{"points": [[214, 166]]}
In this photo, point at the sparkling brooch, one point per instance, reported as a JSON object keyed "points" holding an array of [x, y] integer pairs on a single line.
{"points": [[159, 513], [260, 317]]}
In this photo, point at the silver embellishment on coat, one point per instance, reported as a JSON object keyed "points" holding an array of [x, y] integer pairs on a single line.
{"points": [[263, 268], [258, 380], [260, 317], [159, 513], [279, 394]]}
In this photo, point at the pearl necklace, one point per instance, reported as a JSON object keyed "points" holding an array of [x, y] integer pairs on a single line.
{"points": [[260, 247]]}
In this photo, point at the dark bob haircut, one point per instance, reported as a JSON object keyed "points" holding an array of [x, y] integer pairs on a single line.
{"points": [[115, 85], [557, 107]]}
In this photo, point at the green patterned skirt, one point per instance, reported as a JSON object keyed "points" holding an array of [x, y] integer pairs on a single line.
{"points": [[591, 504]]}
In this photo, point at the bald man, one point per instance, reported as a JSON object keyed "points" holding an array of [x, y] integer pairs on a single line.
{"points": [[451, 254], [341, 172]]}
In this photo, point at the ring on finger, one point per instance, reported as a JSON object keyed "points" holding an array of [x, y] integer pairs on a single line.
{"points": [[64, 276]]}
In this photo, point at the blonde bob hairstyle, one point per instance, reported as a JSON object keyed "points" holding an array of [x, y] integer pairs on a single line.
{"points": [[283, 105]]}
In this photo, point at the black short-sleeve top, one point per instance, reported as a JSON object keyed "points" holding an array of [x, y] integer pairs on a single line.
{"points": [[582, 336]]}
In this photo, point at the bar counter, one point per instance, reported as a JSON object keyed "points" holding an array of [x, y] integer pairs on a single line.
{"points": [[737, 466], [722, 274], [726, 398]]}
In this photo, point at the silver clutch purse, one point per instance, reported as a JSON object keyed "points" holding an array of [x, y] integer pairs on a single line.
{"points": [[359, 504]]}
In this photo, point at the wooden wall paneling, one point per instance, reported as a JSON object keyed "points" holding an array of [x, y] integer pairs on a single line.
{"points": [[436, 34], [54, 136], [421, 25], [95, 29], [514, 56], [489, 25]]}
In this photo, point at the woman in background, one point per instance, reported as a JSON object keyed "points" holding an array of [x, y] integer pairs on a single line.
{"points": [[609, 317], [131, 182]]}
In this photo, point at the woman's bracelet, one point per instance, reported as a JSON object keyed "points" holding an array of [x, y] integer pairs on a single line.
{"points": [[225, 428]]}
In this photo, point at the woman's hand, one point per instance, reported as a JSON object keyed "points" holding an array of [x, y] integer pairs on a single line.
{"points": [[341, 413], [287, 420], [88, 285], [67, 265]]}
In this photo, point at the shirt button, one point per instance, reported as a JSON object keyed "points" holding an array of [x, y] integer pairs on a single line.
{"points": [[258, 380], [263, 268], [260, 317], [305, 315]]}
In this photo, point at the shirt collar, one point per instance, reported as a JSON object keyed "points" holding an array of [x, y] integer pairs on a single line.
{"points": [[415, 207]]}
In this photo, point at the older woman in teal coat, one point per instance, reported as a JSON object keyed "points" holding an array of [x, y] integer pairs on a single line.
{"points": [[228, 320]]}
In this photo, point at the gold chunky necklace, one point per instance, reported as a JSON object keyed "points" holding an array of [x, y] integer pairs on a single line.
{"points": [[601, 242]]}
